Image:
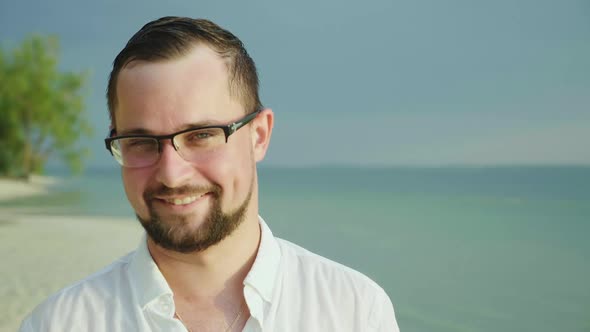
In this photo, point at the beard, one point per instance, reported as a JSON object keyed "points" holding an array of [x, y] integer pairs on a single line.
{"points": [[177, 233]]}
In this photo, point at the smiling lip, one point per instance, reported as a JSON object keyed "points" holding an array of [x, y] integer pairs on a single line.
{"points": [[180, 200]]}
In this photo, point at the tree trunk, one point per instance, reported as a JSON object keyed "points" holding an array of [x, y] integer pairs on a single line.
{"points": [[27, 160]]}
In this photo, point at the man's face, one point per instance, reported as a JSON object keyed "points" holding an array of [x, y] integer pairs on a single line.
{"points": [[186, 206]]}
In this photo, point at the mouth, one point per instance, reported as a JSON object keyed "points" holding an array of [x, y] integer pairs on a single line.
{"points": [[181, 201]]}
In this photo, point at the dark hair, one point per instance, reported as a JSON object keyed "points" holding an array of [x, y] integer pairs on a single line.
{"points": [[172, 37]]}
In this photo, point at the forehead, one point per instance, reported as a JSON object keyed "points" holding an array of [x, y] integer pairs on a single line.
{"points": [[164, 96]]}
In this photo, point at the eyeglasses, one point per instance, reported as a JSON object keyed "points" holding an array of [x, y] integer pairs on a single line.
{"points": [[192, 144]]}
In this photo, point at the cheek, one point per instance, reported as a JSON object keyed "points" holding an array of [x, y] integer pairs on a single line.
{"points": [[233, 172], [135, 183], [243, 172]]}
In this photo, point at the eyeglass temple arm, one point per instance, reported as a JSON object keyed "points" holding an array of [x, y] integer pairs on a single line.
{"points": [[239, 124]]}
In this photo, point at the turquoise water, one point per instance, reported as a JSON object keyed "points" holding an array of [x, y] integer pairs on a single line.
{"points": [[457, 249]]}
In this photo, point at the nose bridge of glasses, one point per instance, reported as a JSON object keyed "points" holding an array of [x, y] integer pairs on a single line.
{"points": [[175, 143], [162, 141]]}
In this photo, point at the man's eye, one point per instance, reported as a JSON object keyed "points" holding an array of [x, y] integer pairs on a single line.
{"points": [[138, 145], [139, 142], [201, 135]]}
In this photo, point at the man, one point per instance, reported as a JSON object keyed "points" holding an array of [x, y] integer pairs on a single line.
{"points": [[188, 128]]}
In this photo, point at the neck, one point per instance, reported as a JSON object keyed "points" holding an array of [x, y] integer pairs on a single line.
{"points": [[214, 274]]}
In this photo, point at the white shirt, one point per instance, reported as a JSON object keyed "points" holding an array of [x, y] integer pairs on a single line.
{"points": [[287, 289]]}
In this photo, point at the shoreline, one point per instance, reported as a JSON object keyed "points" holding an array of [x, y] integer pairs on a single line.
{"points": [[21, 188]]}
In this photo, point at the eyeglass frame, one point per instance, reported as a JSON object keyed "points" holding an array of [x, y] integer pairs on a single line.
{"points": [[228, 130]]}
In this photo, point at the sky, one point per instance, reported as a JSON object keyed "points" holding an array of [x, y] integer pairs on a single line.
{"points": [[372, 83]]}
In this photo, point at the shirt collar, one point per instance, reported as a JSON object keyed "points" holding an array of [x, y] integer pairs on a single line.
{"points": [[264, 271], [149, 283], [146, 278]]}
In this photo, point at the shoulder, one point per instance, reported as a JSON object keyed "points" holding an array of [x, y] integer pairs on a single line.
{"points": [[312, 265], [326, 276], [340, 293], [90, 296]]}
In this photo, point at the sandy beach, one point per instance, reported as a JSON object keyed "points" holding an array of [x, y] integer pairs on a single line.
{"points": [[41, 254], [37, 185]]}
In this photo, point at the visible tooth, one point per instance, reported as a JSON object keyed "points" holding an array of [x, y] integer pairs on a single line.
{"points": [[182, 201]]}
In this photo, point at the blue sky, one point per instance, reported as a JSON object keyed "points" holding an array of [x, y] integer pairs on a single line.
{"points": [[421, 82]]}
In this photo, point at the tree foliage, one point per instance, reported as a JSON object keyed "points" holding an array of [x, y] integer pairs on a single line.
{"points": [[41, 109]]}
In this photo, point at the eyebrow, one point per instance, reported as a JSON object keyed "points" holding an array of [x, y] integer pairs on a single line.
{"points": [[143, 131]]}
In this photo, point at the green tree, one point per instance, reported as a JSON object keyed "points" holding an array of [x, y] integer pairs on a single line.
{"points": [[41, 108]]}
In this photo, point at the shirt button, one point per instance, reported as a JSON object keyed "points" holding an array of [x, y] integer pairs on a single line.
{"points": [[165, 305]]}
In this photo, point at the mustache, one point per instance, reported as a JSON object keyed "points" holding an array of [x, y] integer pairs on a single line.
{"points": [[163, 190]]}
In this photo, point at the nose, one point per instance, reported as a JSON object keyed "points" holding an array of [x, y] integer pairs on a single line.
{"points": [[173, 171]]}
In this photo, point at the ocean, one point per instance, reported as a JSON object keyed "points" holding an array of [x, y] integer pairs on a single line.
{"points": [[456, 248]]}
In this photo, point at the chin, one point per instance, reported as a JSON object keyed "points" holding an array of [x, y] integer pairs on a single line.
{"points": [[194, 232]]}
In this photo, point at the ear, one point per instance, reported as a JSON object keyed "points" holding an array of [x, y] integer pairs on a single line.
{"points": [[261, 132]]}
